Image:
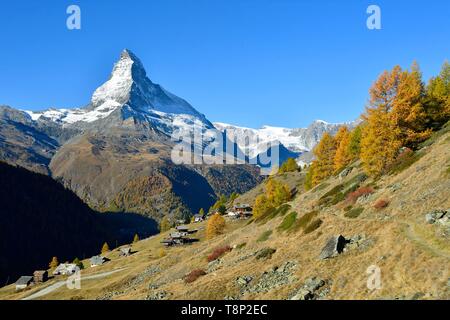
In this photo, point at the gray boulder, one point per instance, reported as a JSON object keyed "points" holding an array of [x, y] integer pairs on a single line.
{"points": [[344, 173], [244, 280], [334, 246], [435, 215], [310, 290]]}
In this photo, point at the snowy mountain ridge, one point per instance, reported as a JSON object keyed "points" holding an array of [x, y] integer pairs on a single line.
{"points": [[134, 94], [294, 139]]}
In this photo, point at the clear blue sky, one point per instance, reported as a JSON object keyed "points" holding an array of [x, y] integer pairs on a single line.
{"points": [[247, 62]]}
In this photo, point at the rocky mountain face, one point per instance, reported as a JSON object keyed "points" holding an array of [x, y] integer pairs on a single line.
{"points": [[115, 153]]}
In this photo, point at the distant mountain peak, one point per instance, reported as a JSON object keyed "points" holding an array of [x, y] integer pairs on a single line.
{"points": [[129, 90]]}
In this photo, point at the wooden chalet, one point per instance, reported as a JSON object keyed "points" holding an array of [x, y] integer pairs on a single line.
{"points": [[97, 261], [125, 251], [65, 269], [179, 237], [23, 282], [241, 211], [40, 276]]}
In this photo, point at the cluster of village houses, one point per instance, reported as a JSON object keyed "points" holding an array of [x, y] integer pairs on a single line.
{"points": [[239, 211], [181, 236], [66, 269], [182, 233]]}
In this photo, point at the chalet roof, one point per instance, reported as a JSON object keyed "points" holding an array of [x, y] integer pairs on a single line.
{"points": [[40, 272], [183, 228], [97, 259], [176, 235], [24, 280], [242, 206]]}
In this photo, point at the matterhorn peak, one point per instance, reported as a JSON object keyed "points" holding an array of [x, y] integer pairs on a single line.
{"points": [[127, 70], [129, 90]]}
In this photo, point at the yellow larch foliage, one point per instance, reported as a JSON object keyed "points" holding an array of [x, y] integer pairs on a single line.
{"points": [[342, 156], [215, 226]]}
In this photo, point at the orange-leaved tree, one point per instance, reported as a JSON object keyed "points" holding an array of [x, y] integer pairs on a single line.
{"points": [[324, 163], [342, 156], [215, 226]]}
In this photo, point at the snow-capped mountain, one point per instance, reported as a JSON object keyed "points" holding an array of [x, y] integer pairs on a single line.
{"points": [[129, 93], [297, 140]]}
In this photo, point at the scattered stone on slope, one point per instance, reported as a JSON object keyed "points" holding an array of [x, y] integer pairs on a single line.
{"points": [[133, 283], [245, 257], [394, 187], [359, 241], [275, 277], [214, 265], [265, 253], [334, 246], [344, 173], [312, 289], [436, 215], [244, 280], [158, 295], [364, 199]]}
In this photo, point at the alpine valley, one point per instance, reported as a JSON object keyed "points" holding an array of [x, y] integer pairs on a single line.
{"points": [[115, 152]]}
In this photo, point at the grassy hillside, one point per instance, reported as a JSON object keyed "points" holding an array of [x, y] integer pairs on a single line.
{"points": [[277, 257]]}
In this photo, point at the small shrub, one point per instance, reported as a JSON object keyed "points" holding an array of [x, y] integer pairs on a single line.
{"points": [[357, 180], [403, 161], [333, 191], [264, 236], [381, 204], [288, 221], [436, 135], [304, 220], [321, 186], [266, 216], [337, 198], [265, 253], [218, 252], [332, 197], [273, 212], [352, 197], [282, 210], [241, 245], [194, 275], [161, 252], [354, 213], [348, 208], [314, 225]]}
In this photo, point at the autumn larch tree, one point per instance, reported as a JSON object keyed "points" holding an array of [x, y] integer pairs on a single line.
{"points": [[438, 98], [165, 224], [261, 206], [342, 156], [290, 165], [324, 163], [54, 263], [408, 108], [105, 248], [215, 226], [277, 192], [354, 145], [136, 238], [380, 141]]}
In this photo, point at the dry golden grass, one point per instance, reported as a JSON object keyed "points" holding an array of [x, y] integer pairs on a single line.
{"points": [[413, 257]]}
